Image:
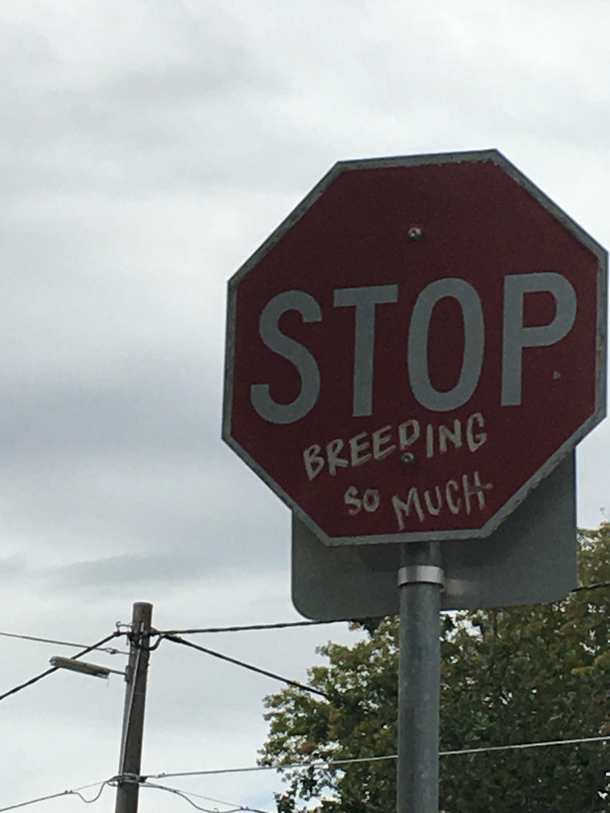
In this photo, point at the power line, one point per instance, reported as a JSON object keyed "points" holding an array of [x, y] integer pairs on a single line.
{"points": [[595, 586], [74, 792], [108, 649], [186, 798], [186, 794], [338, 762], [178, 640], [523, 745], [235, 628], [311, 764], [291, 624], [254, 627], [255, 768], [42, 675]]}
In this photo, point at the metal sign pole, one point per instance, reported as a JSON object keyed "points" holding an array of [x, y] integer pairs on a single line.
{"points": [[420, 580]]}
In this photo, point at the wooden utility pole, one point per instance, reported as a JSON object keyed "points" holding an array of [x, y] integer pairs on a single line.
{"points": [[133, 717]]}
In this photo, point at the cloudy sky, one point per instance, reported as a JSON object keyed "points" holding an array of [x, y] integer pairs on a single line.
{"points": [[147, 147]]}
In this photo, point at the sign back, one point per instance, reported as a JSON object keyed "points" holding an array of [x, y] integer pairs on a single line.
{"points": [[531, 558], [415, 348]]}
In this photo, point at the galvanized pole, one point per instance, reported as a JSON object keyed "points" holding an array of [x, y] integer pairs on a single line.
{"points": [[420, 580], [128, 785]]}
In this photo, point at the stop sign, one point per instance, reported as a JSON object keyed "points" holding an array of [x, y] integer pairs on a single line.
{"points": [[416, 346]]}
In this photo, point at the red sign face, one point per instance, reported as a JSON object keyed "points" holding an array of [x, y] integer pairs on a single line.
{"points": [[418, 344]]}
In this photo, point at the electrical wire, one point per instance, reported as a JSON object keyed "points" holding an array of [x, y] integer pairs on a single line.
{"points": [[145, 780], [291, 624], [338, 762], [186, 798], [321, 763], [221, 802], [254, 627], [523, 745], [186, 794], [176, 639], [108, 649], [74, 792], [236, 628], [44, 674], [172, 635], [595, 586]]}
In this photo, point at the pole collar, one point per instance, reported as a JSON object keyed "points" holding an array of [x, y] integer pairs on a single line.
{"points": [[128, 779], [421, 574]]}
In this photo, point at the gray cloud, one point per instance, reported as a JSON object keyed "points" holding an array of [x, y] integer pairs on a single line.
{"points": [[12, 567], [146, 405]]}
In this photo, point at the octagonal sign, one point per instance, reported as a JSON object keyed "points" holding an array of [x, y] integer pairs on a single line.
{"points": [[416, 346]]}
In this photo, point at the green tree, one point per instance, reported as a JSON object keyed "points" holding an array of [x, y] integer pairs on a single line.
{"points": [[516, 675]]}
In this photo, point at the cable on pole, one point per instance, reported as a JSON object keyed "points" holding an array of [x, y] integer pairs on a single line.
{"points": [[595, 586], [145, 780], [291, 624], [52, 669], [323, 763], [523, 745], [125, 628], [317, 763], [74, 792], [295, 683], [255, 627], [108, 649], [186, 794]]}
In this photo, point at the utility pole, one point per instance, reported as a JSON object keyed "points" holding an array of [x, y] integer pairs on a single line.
{"points": [[133, 717]]}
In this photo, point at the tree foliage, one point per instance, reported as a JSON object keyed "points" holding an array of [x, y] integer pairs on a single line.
{"points": [[517, 675]]}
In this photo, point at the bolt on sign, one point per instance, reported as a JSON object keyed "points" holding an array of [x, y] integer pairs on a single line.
{"points": [[415, 347]]}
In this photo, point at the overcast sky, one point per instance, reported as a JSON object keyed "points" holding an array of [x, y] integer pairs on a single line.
{"points": [[147, 147]]}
